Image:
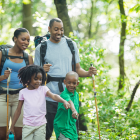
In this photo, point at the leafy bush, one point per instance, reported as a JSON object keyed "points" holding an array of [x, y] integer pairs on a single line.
{"points": [[115, 122]]}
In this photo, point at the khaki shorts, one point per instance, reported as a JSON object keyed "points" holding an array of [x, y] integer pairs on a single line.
{"points": [[34, 132], [13, 102]]}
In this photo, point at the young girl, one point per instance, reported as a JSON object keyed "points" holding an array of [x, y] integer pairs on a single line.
{"points": [[33, 97]]}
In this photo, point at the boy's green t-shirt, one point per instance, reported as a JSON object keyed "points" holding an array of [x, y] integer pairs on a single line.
{"points": [[63, 122]]}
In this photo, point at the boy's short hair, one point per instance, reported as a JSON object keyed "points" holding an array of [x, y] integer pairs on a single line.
{"points": [[72, 73]]}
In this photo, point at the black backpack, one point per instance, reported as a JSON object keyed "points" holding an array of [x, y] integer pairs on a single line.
{"points": [[3, 49], [43, 48]]}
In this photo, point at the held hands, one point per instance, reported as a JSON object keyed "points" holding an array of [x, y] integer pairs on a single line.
{"points": [[46, 67], [66, 105], [75, 115], [92, 70]]}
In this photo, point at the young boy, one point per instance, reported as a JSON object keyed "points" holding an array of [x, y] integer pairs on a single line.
{"points": [[65, 120]]}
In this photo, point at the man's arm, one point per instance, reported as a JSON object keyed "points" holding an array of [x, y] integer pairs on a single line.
{"points": [[46, 67], [82, 73], [37, 55]]}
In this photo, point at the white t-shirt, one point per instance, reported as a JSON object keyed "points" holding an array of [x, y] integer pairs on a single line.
{"points": [[34, 107]]}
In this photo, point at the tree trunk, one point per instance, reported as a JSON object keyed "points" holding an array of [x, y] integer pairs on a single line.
{"points": [[27, 17], [90, 19], [132, 96], [1, 17], [122, 41], [62, 12]]}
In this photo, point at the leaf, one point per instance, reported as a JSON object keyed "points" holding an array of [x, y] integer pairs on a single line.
{"points": [[135, 8], [26, 1], [138, 9], [13, 1]]}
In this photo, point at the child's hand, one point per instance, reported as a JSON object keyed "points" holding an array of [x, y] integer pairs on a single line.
{"points": [[75, 115], [10, 130], [66, 105]]}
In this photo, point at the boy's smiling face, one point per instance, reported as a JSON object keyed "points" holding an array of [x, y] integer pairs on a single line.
{"points": [[71, 82]]}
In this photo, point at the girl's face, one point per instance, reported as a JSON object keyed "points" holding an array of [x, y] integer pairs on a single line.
{"points": [[36, 81], [23, 40]]}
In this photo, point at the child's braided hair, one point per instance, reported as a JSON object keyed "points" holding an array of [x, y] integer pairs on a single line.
{"points": [[28, 71]]}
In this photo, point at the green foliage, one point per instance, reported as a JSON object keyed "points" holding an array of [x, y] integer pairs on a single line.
{"points": [[135, 8], [26, 1], [115, 122]]}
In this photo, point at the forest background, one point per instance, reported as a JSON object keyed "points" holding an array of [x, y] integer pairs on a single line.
{"points": [[107, 33]]}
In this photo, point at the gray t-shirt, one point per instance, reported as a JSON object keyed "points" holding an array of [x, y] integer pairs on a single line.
{"points": [[60, 56]]}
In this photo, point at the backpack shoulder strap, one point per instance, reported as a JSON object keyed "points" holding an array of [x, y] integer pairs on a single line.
{"points": [[26, 58], [3, 59], [71, 46], [4, 56], [43, 50]]}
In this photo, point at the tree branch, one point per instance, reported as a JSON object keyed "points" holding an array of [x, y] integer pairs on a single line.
{"points": [[132, 96]]}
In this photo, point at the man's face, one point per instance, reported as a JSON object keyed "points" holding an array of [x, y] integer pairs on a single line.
{"points": [[56, 31]]}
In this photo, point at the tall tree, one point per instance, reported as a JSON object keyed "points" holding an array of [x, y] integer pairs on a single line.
{"points": [[62, 12], [1, 17], [121, 46], [90, 19], [27, 16]]}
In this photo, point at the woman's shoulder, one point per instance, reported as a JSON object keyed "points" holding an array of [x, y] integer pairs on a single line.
{"points": [[30, 59]]}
